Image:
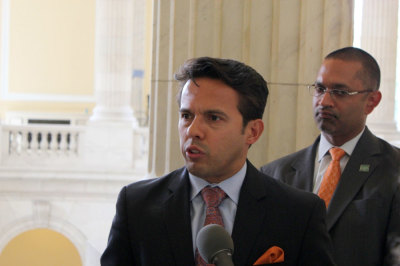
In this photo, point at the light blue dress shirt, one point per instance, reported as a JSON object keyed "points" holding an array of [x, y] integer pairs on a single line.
{"points": [[227, 208]]}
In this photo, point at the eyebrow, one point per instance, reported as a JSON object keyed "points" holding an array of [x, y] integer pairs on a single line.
{"points": [[210, 111], [334, 86]]}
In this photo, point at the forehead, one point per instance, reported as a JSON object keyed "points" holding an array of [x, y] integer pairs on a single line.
{"points": [[208, 93], [337, 71]]}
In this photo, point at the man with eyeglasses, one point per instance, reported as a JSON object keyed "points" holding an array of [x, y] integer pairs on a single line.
{"points": [[352, 170]]}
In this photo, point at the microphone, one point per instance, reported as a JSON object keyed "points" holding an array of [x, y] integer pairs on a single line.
{"points": [[215, 245]]}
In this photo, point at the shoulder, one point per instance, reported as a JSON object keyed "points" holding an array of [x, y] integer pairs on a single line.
{"points": [[369, 141], [285, 163], [389, 149], [385, 153], [289, 193], [281, 192], [156, 187]]}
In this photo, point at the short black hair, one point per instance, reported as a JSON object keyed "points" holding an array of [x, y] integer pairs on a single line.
{"points": [[248, 83], [370, 73]]}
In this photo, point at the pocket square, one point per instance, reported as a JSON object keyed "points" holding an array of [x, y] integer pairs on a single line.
{"points": [[272, 255]]}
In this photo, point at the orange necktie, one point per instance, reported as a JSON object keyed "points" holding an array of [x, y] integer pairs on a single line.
{"points": [[331, 176]]}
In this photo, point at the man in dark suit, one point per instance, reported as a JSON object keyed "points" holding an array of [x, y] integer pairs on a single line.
{"points": [[363, 212], [156, 223]]}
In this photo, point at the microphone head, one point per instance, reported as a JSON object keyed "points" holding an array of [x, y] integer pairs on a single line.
{"points": [[213, 239]]}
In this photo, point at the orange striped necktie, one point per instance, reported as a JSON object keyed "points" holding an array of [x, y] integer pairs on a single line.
{"points": [[331, 176]]}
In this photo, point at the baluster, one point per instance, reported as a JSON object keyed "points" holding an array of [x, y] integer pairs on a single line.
{"points": [[11, 142], [58, 141], [73, 143], [53, 143], [47, 145], [34, 142], [24, 142], [67, 143], [19, 143], [30, 142], [63, 142], [39, 141]]}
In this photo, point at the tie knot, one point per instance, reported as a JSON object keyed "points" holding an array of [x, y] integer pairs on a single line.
{"points": [[337, 153], [212, 196]]}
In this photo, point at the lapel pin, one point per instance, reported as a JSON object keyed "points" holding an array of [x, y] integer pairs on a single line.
{"points": [[364, 168]]}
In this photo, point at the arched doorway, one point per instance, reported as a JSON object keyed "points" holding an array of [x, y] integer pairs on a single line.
{"points": [[42, 247]]}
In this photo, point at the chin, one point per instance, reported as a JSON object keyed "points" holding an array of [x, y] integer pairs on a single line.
{"points": [[326, 128]]}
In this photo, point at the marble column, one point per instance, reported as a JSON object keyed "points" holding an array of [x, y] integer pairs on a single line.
{"points": [[285, 41], [113, 60], [379, 31], [110, 140]]}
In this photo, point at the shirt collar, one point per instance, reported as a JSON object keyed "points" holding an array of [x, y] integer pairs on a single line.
{"points": [[348, 147], [231, 185]]}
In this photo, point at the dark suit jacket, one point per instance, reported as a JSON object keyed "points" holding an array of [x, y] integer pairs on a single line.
{"points": [[152, 223], [364, 211]]}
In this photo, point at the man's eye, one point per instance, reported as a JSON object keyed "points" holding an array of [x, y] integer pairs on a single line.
{"points": [[320, 90], [214, 117], [185, 115], [339, 93]]}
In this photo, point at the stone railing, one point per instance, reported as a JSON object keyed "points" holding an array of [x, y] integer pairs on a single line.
{"points": [[74, 148], [40, 140], [39, 146]]}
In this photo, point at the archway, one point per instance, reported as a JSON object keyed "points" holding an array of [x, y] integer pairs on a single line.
{"points": [[42, 247]]}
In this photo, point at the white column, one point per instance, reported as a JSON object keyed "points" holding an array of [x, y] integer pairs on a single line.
{"points": [[379, 31], [285, 41], [114, 22], [111, 139]]}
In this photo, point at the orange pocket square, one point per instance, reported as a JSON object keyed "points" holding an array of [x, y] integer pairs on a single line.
{"points": [[272, 255]]}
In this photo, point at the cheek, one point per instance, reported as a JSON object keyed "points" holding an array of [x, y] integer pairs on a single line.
{"points": [[315, 102], [181, 130]]}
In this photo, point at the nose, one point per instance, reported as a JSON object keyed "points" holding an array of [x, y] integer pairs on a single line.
{"points": [[196, 128], [325, 99]]}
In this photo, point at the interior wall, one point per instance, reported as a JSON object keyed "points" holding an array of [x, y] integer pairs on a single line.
{"points": [[47, 56]]}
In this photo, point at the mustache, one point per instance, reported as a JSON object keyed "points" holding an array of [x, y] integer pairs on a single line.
{"points": [[197, 143], [326, 111]]}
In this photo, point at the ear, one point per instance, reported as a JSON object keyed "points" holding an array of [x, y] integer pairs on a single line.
{"points": [[373, 100], [254, 130]]}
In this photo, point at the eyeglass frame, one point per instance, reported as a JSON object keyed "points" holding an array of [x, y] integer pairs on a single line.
{"points": [[312, 89]]}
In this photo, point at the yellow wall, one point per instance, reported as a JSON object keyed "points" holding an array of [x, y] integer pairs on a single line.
{"points": [[40, 247], [51, 52]]}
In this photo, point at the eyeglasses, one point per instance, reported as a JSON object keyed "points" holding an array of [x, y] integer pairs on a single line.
{"points": [[317, 91]]}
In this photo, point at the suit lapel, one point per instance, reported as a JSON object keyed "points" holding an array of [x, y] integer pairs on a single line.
{"points": [[304, 169], [249, 216], [177, 219], [359, 167]]}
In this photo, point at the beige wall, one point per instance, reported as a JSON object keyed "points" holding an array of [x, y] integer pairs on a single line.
{"points": [[49, 63], [284, 40]]}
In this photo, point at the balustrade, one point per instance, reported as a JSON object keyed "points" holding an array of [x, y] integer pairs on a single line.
{"points": [[40, 140]]}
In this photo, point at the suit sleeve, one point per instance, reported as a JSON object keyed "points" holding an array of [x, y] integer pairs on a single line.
{"points": [[393, 236], [317, 246], [118, 250]]}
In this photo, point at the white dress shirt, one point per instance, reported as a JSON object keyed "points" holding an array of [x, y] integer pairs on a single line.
{"points": [[323, 158]]}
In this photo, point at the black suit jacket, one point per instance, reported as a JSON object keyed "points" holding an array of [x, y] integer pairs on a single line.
{"points": [[152, 223], [364, 211]]}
